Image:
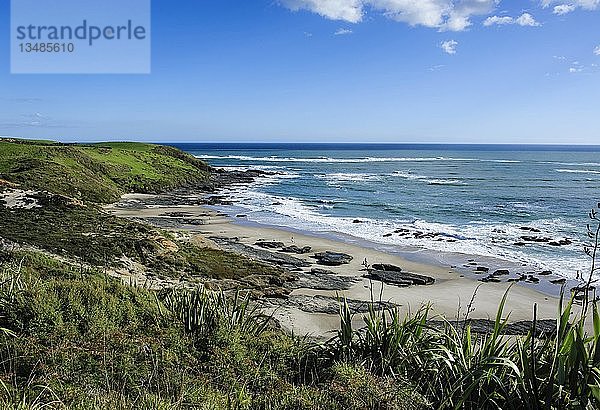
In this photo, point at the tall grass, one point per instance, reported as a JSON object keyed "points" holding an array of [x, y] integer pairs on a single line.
{"points": [[30, 396], [11, 284], [456, 368], [202, 310]]}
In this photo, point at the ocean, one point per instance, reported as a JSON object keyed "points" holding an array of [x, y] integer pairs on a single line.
{"points": [[509, 205]]}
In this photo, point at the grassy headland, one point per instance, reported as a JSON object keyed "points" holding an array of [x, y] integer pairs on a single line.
{"points": [[99, 173], [74, 337]]}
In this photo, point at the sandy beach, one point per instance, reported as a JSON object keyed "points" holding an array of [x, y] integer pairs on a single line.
{"points": [[449, 296]]}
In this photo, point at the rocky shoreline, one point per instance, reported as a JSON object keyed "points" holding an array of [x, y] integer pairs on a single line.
{"points": [[307, 270]]}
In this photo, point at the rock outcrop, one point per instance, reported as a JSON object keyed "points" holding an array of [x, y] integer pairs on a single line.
{"points": [[393, 275], [329, 258]]}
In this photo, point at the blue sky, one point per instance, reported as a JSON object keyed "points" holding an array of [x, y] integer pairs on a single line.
{"points": [[450, 71]]}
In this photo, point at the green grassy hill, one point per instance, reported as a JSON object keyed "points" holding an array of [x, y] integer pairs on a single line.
{"points": [[98, 172], [73, 337], [82, 231]]}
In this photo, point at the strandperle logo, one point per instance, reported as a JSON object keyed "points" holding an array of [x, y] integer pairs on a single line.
{"points": [[80, 36], [85, 31]]}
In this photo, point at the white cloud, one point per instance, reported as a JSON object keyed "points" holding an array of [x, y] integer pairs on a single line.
{"points": [[436, 67], [527, 19], [449, 46], [459, 17], [584, 4], [445, 15], [347, 10], [428, 13], [597, 51], [490, 21], [524, 19], [576, 67], [562, 9], [342, 32]]}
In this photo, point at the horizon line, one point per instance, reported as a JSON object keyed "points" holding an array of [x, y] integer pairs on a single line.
{"points": [[363, 143], [155, 141]]}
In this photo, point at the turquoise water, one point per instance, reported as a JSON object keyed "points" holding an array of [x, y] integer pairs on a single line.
{"points": [[471, 200]]}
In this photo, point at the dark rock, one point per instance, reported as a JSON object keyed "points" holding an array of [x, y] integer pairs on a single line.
{"points": [[562, 242], [526, 228], [329, 305], [170, 222], [482, 269], [533, 279], [423, 235], [389, 279], [263, 281], [270, 244], [520, 244], [296, 249], [217, 200], [276, 293], [319, 271], [277, 259], [537, 239], [221, 178], [387, 235], [241, 216], [332, 258], [560, 281], [192, 221], [322, 282], [546, 273], [177, 214], [386, 267], [401, 279], [357, 221], [500, 272], [490, 278]]}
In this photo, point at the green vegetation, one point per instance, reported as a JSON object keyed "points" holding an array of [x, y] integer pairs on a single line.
{"points": [[85, 234], [455, 368], [81, 340], [99, 172], [72, 337]]}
